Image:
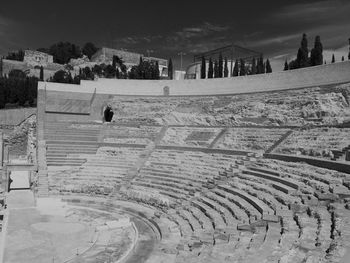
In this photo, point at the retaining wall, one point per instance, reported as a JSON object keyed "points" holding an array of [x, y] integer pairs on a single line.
{"points": [[292, 79], [338, 166], [15, 116]]}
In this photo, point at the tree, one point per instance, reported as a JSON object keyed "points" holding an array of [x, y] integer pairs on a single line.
{"points": [[260, 67], [342, 58], [210, 69], [89, 49], [170, 69], [62, 52], [316, 57], [17, 74], [86, 74], [268, 66], [203, 68], [242, 70], [2, 94], [303, 53], [19, 55], [225, 69], [110, 72], [62, 76], [97, 70], [41, 77], [235, 72], [286, 66], [333, 58], [156, 71], [253, 70], [220, 66], [216, 69]]}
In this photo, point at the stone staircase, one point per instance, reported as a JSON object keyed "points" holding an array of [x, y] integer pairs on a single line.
{"points": [[43, 184], [143, 157], [277, 143]]}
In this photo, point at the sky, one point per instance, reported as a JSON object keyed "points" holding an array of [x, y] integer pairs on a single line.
{"points": [[166, 28]]}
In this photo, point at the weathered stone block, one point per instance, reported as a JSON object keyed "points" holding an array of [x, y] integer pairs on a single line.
{"points": [[271, 218], [298, 208], [245, 227], [326, 196]]}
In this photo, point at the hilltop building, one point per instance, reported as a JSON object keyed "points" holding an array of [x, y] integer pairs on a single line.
{"points": [[105, 55]]}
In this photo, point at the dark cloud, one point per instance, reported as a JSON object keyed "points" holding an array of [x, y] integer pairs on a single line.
{"points": [[273, 27]]}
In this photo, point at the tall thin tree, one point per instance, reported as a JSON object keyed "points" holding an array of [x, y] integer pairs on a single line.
{"points": [[235, 72], [242, 70], [210, 69], [303, 53], [316, 57], [333, 58], [203, 68], [220, 66], [170, 69], [41, 77], [268, 66], [216, 69], [253, 70], [286, 66]]}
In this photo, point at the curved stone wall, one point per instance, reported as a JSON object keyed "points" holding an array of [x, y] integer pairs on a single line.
{"points": [[300, 78]]}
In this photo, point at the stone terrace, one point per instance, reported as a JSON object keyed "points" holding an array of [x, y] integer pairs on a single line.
{"points": [[330, 143], [287, 108]]}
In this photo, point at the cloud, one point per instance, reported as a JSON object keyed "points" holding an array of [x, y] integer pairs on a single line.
{"points": [[273, 40], [201, 30]]}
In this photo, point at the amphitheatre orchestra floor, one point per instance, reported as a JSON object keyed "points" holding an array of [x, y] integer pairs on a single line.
{"points": [[49, 230]]}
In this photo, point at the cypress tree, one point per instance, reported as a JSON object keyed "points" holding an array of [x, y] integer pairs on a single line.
{"points": [[268, 66], [2, 94], [41, 73], [349, 50], [235, 72], [253, 71], [216, 69], [117, 73], [316, 57], [333, 58], [210, 69], [303, 53], [263, 67], [286, 67], [220, 66], [170, 69], [242, 70], [260, 67], [225, 69], [203, 68], [156, 71], [342, 58]]}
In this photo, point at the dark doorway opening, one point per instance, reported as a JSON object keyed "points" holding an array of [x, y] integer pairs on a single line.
{"points": [[108, 114]]}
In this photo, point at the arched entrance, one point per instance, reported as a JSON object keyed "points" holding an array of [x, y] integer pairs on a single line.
{"points": [[108, 114]]}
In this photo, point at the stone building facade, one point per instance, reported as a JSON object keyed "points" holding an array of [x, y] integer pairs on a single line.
{"points": [[36, 58], [105, 55]]}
